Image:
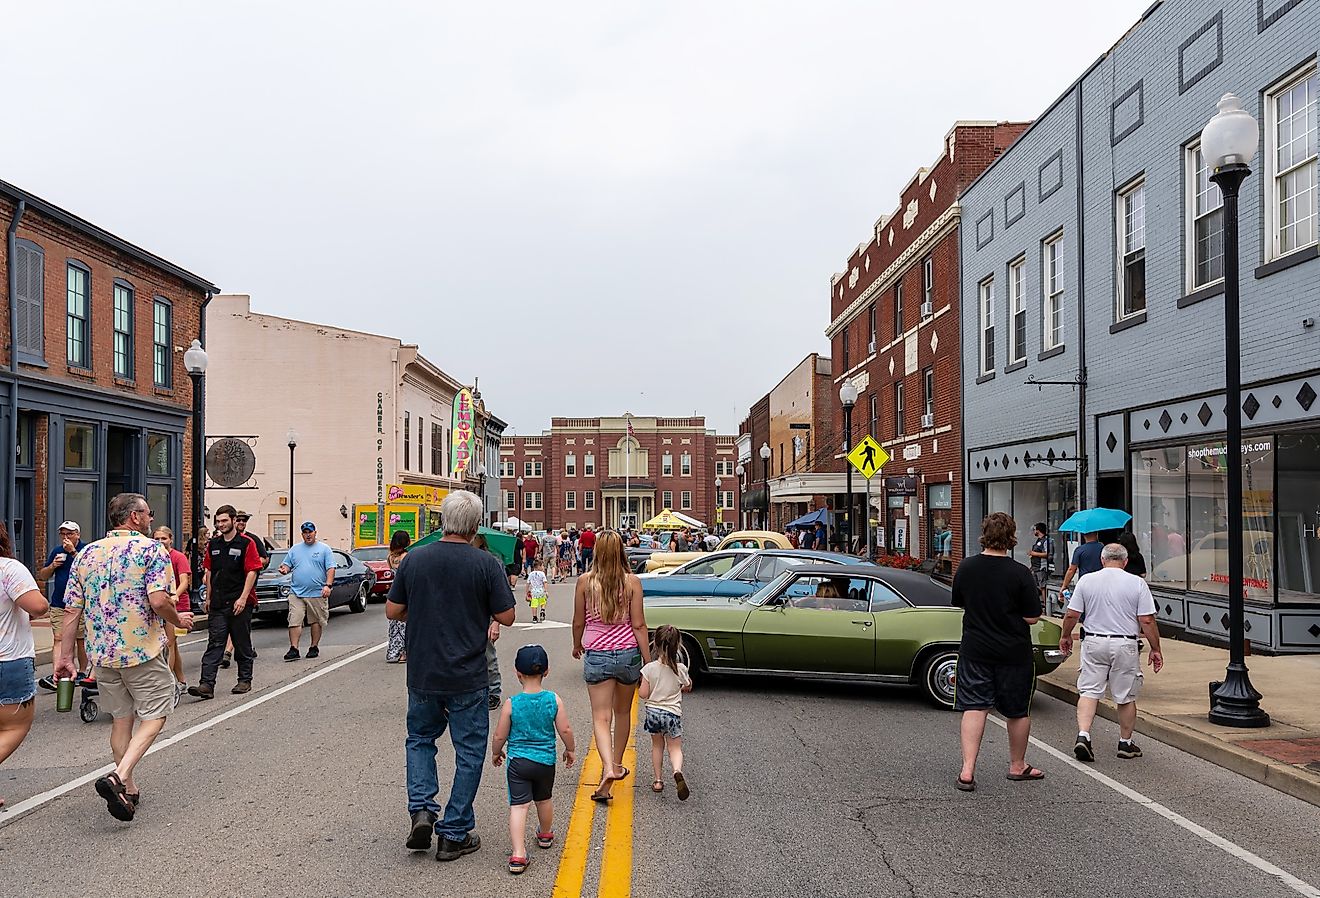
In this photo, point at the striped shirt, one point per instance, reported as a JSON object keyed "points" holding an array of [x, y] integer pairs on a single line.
{"points": [[607, 637]]}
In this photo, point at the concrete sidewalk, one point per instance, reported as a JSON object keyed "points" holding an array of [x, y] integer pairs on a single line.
{"points": [[1174, 704]]}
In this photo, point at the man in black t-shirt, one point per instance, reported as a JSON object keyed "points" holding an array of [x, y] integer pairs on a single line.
{"points": [[996, 666], [448, 592], [1042, 559]]}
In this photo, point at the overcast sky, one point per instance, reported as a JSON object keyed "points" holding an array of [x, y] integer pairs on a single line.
{"points": [[593, 207]]}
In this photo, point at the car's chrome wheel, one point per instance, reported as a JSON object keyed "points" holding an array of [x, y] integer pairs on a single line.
{"points": [[940, 677], [359, 602]]}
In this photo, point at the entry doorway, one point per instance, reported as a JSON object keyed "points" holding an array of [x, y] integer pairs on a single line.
{"points": [[22, 535], [122, 466]]}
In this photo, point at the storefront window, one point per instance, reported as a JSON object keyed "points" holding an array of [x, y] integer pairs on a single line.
{"points": [[80, 506], [1028, 509], [1299, 516], [1207, 491], [999, 497], [1048, 500], [24, 459], [158, 454], [1159, 513], [79, 448], [158, 497], [939, 504]]}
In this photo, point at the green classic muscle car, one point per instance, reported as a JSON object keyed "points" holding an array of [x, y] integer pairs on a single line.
{"points": [[858, 623]]}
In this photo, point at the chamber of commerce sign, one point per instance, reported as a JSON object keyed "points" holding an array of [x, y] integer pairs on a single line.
{"points": [[461, 454]]}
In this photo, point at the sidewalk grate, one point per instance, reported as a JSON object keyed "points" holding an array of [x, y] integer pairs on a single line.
{"points": [[1291, 751]]}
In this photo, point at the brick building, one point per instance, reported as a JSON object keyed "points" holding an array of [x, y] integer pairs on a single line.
{"points": [[894, 331], [94, 394], [574, 473], [753, 433]]}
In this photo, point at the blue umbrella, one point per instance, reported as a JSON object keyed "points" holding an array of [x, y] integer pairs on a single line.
{"points": [[1091, 520]]}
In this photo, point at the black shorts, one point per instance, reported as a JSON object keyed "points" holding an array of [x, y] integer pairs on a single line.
{"points": [[530, 781], [513, 570], [1007, 688]]}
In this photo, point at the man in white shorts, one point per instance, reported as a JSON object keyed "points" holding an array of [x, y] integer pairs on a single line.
{"points": [[1117, 605]]}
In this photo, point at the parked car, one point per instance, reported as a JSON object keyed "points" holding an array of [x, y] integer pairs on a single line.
{"points": [[744, 578], [353, 584], [374, 557], [739, 539], [710, 564], [854, 623]]}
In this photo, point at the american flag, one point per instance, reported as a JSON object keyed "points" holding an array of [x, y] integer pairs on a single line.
{"points": [[630, 428]]}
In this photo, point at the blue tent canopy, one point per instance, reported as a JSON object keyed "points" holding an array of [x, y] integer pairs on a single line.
{"points": [[811, 519]]}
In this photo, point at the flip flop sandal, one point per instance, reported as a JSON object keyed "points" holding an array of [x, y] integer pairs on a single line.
{"points": [[1031, 773], [111, 788], [545, 840], [657, 786], [683, 791], [623, 775], [518, 864], [601, 797], [967, 785]]}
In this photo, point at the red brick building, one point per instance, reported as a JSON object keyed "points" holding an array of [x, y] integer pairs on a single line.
{"points": [[894, 332], [94, 393], [574, 473]]}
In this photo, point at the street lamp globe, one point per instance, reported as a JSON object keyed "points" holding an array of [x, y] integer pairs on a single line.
{"points": [[848, 394], [765, 452], [194, 358], [718, 483], [292, 436], [520, 483], [1231, 136], [740, 470]]}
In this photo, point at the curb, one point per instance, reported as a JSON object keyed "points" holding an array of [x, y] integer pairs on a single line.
{"points": [[1277, 775]]}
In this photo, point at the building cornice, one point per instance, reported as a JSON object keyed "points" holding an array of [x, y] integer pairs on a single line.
{"points": [[937, 230]]}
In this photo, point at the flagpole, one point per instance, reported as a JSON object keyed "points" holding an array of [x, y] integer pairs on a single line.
{"points": [[627, 476]]}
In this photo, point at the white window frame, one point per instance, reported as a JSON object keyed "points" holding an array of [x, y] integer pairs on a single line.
{"points": [[510, 500], [1273, 176], [900, 410], [1017, 310], [685, 500], [1194, 195], [986, 332], [1130, 231], [928, 281], [1051, 292], [531, 501], [667, 499], [667, 466], [570, 500], [570, 465], [536, 469], [589, 465], [589, 500], [685, 465], [928, 389]]}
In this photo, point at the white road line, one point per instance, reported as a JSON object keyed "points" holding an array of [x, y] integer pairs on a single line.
{"points": [[1196, 829], [36, 801]]}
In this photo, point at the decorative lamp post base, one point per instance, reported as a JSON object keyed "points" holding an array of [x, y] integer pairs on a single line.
{"points": [[1234, 703]]}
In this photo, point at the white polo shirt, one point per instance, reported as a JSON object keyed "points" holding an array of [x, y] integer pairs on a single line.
{"points": [[1112, 599]]}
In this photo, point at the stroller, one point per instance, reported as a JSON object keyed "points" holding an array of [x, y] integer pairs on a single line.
{"points": [[87, 706]]}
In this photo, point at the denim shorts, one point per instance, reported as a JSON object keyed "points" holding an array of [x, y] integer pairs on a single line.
{"points": [[624, 665], [663, 723], [18, 681]]}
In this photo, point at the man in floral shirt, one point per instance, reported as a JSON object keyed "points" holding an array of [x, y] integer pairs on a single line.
{"points": [[121, 584]]}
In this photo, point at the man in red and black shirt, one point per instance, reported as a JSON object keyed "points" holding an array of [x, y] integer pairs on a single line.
{"points": [[231, 564], [587, 543]]}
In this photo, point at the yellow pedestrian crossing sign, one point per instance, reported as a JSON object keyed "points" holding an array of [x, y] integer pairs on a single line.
{"points": [[868, 457]]}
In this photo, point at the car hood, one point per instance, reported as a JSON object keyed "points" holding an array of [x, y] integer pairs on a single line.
{"points": [[377, 566], [274, 576], [691, 601]]}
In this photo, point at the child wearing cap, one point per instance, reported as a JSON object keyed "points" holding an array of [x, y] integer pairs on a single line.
{"points": [[527, 725]]}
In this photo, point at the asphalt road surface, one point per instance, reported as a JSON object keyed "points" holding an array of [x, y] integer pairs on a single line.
{"points": [[798, 789]]}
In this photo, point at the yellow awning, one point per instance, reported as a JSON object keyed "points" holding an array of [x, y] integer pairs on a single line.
{"points": [[665, 520]]}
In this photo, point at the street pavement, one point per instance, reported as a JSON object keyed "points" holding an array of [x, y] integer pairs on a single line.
{"points": [[798, 789]]}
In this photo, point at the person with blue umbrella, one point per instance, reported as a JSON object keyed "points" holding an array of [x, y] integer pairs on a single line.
{"points": [[1086, 557]]}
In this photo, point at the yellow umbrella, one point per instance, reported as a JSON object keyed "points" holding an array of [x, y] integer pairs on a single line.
{"points": [[665, 520]]}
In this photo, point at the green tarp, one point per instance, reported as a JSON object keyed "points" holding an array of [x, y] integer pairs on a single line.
{"points": [[500, 543]]}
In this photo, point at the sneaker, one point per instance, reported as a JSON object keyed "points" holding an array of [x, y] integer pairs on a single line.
{"points": [[202, 690], [494, 702], [313, 652], [241, 687], [225, 660], [1082, 750], [293, 654], [449, 850], [419, 837], [1128, 750], [48, 682]]}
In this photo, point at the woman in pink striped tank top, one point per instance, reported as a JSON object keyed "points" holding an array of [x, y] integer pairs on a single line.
{"points": [[609, 634]]}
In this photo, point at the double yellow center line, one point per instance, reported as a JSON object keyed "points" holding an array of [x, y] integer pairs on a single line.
{"points": [[616, 860]]}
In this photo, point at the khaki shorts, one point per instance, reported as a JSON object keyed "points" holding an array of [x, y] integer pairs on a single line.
{"points": [[145, 690], [316, 610], [1112, 662], [57, 624]]}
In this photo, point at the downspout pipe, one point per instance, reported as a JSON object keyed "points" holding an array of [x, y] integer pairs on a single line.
{"points": [[11, 251], [1082, 454]]}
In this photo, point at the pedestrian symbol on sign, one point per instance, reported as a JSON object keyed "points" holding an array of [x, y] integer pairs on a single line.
{"points": [[868, 457]]}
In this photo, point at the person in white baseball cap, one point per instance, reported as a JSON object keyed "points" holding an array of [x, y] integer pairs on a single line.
{"points": [[56, 572]]}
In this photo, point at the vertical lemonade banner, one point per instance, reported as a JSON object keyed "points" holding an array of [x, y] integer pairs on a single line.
{"points": [[461, 451]]}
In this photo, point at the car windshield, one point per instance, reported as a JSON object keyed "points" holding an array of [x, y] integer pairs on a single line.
{"points": [[375, 553], [737, 571], [762, 595], [276, 559]]}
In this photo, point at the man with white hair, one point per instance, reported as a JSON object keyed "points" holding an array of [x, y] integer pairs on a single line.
{"points": [[1117, 605], [448, 592]]}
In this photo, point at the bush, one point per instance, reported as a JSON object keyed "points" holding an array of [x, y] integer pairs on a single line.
{"points": [[904, 562]]}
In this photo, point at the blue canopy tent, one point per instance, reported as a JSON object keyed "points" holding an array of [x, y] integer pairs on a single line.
{"points": [[811, 519]]}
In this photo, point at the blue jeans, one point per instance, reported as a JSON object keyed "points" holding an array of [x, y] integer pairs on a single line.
{"points": [[468, 720]]}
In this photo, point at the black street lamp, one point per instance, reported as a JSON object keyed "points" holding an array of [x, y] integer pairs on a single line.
{"points": [[848, 398], [195, 361], [1228, 144], [764, 452], [521, 523], [742, 499], [293, 515], [481, 487]]}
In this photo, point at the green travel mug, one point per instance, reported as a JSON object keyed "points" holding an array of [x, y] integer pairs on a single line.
{"points": [[64, 694]]}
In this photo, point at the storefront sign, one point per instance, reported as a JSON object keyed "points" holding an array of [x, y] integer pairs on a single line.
{"points": [[902, 485], [380, 443], [366, 527], [900, 534], [416, 492], [399, 517], [461, 453]]}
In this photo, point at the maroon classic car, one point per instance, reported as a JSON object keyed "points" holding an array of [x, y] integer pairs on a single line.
{"points": [[374, 558]]}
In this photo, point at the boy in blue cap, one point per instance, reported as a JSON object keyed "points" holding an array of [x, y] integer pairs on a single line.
{"points": [[528, 723]]}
